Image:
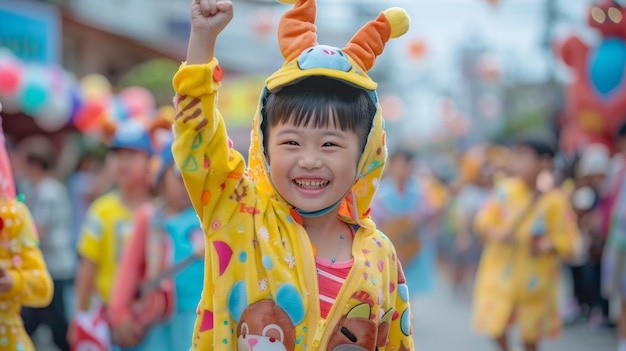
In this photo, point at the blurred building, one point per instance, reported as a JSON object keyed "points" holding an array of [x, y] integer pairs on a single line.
{"points": [[439, 58]]}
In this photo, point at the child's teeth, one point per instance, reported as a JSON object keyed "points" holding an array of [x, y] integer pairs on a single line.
{"points": [[311, 183]]}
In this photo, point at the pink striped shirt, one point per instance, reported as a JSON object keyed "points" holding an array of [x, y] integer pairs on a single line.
{"points": [[331, 277]]}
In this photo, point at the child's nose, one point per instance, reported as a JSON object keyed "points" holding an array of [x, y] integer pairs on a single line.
{"points": [[309, 160]]}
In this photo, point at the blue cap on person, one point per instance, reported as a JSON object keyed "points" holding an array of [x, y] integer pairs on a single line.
{"points": [[129, 134]]}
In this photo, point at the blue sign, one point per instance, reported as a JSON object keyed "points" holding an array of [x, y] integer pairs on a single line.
{"points": [[31, 30]]}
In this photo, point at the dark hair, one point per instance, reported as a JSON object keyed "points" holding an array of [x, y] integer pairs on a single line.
{"points": [[621, 131], [311, 101], [540, 143], [43, 162]]}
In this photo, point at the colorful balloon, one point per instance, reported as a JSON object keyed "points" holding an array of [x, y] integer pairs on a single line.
{"points": [[57, 111], [95, 86], [138, 101], [117, 109], [55, 114], [35, 90], [10, 77], [90, 116]]}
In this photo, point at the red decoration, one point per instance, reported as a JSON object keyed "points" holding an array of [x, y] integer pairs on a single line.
{"points": [[218, 73], [417, 49], [90, 116], [596, 99], [10, 77], [263, 23]]}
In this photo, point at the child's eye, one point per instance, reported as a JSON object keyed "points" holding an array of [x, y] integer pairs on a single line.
{"points": [[290, 142], [329, 144]]}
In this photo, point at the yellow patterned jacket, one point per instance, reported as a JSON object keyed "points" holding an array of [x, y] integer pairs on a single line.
{"points": [[260, 288], [21, 258]]}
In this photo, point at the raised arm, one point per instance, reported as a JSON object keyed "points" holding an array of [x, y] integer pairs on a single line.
{"points": [[202, 149]]}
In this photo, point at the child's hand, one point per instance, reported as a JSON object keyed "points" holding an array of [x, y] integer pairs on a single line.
{"points": [[126, 334], [208, 19], [210, 16], [6, 280]]}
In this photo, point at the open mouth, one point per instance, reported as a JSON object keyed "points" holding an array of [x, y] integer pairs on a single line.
{"points": [[311, 183]]}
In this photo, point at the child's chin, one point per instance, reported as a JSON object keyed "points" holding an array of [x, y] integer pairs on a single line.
{"points": [[309, 208]]}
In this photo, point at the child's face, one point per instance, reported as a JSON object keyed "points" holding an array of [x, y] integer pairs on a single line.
{"points": [[173, 189], [312, 168], [131, 168], [527, 164]]}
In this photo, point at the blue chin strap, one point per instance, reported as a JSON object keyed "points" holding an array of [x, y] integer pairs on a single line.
{"points": [[312, 214]]}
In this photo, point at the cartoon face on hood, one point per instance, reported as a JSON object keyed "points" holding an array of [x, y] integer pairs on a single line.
{"points": [[305, 58]]}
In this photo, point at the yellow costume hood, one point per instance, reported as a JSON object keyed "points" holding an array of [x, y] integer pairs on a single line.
{"points": [[305, 58]]}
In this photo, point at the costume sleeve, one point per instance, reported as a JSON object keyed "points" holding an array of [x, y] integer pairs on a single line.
{"points": [[212, 170], [130, 270], [401, 327], [32, 284], [562, 228], [91, 236]]}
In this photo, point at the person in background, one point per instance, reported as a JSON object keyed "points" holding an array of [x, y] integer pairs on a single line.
{"points": [[477, 173], [614, 255], [171, 222], [528, 229], [399, 208], [24, 277], [108, 221], [49, 202], [591, 172], [89, 181]]}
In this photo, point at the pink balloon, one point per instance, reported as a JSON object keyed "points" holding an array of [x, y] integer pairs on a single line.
{"points": [[139, 101], [10, 77]]}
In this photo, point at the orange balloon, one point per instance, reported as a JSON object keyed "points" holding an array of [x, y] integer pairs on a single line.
{"points": [[417, 49], [90, 116]]}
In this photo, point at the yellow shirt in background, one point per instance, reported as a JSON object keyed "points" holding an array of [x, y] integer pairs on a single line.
{"points": [[511, 282], [107, 226]]}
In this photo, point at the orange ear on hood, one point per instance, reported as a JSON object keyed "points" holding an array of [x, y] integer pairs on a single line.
{"points": [[370, 40], [297, 32], [296, 29]]}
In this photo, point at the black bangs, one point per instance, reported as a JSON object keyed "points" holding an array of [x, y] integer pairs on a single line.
{"points": [[541, 143], [321, 102]]}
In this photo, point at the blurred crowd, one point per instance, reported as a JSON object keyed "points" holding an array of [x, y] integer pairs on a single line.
{"points": [[510, 224], [124, 186], [458, 227]]}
